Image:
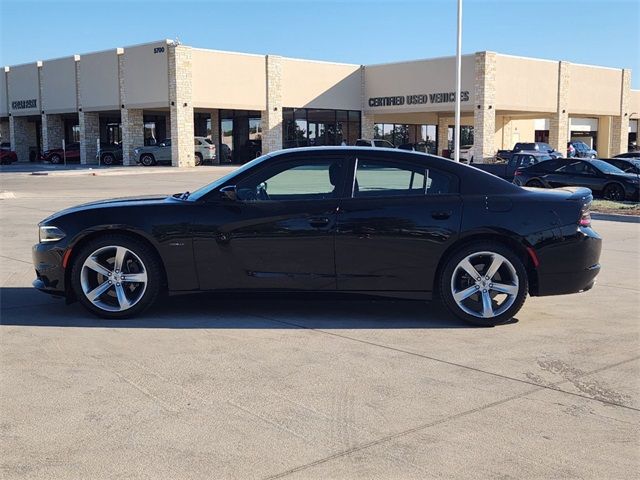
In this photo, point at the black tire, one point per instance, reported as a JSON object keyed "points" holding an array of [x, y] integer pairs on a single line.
{"points": [[445, 283], [55, 159], [614, 192], [108, 159], [151, 264], [535, 184], [198, 159], [147, 160]]}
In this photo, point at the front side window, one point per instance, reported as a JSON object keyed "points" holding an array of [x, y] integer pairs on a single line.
{"points": [[383, 178], [309, 179]]}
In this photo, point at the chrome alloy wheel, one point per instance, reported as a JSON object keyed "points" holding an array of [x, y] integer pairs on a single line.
{"points": [[484, 284], [113, 278]]}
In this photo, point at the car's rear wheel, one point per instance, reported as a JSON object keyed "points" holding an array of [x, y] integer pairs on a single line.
{"points": [[115, 276], [484, 283], [55, 159], [198, 159], [535, 183], [147, 160], [614, 192], [108, 159]]}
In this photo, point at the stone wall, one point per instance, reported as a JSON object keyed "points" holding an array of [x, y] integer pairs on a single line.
{"points": [[620, 123], [89, 135], [132, 133], [559, 121], [52, 131], [484, 112], [272, 116], [4, 131], [215, 134], [23, 135], [443, 133], [180, 106]]}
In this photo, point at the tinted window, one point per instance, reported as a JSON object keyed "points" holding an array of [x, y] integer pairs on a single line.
{"points": [[307, 179], [384, 178], [363, 143], [549, 165], [578, 168], [383, 144], [525, 146], [605, 167], [196, 142]]}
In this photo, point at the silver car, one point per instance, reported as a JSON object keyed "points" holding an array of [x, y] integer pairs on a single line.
{"points": [[204, 150]]}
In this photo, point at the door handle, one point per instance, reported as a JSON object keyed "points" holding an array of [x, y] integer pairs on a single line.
{"points": [[319, 222], [443, 215]]}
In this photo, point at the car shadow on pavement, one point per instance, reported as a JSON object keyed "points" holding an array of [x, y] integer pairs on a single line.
{"points": [[28, 307]]}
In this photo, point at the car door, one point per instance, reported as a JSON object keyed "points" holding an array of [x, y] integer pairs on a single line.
{"points": [[400, 216], [163, 151], [279, 233]]}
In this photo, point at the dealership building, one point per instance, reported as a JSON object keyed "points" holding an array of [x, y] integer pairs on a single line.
{"points": [[247, 103]]}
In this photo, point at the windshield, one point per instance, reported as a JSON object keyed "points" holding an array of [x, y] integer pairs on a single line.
{"points": [[201, 192], [605, 167]]}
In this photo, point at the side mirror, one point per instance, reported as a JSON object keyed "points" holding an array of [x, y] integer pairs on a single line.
{"points": [[229, 193]]}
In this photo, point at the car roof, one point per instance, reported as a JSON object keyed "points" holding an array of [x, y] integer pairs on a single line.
{"points": [[535, 153]]}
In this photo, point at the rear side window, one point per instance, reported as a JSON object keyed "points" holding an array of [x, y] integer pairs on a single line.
{"points": [[363, 143], [383, 178]]}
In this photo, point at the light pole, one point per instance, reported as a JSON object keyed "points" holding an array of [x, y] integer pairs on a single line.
{"points": [[456, 130]]}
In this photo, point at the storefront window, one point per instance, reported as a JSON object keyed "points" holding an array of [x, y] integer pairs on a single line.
{"points": [[318, 127], [466, 136], [422, 137], [150, 137]]}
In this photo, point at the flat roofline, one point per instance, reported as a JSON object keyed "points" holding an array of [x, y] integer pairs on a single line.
{"points": [[416, 60], [557, 61]]}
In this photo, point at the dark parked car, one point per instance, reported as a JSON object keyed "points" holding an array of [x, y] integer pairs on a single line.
{"points": [[540, 147], [627, 165], [109, 154], [603, 179], [518, 160], [580, 150], [57, 155], [629, 155], [360, 220], [7, 157]]}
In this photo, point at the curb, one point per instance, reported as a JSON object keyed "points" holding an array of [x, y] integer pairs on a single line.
{"points": [[612, 217]]}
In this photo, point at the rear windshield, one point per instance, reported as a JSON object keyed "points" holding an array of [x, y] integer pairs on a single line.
{"points": [[525, 146], [605, 167]]}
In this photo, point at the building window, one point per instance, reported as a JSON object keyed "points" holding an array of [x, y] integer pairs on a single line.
{"points": [[303, 127], [466, 136], [422, 137]]}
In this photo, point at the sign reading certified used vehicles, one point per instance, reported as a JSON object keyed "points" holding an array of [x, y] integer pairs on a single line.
{"points": [[443, 97], [22, 104]]}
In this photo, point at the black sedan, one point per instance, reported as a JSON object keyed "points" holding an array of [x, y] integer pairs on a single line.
{"points": [[602, 178], [627, 165], [361, 220]]}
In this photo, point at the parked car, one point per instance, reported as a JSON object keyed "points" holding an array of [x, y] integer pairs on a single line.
{"points": [[466, 154], [635, 154], [7, 157], [506, 170], [358, 220], [603, 179], [415, 147], [71, 153], [540, 147], [361, 142], [581, 150], [627, 165], [109, 154], [161, 152], [5, 145]]}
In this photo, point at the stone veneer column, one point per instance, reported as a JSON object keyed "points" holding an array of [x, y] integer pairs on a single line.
{"points": [[89, 135], [19, 134], [272, 116], [559, 121], [443, 134], [215, 134], [132, 133], [180, 106], [4, 131], [484, 113], [367, 120], [620, 124], [52, 131]]}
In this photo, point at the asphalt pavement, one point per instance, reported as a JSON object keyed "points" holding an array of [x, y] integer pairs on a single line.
{"points": [[246, 387]]}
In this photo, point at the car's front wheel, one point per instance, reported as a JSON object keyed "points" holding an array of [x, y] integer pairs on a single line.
{"points": [[115, 276], [198, 159], [55, 159], [147, 160], [108, 159], [484, 283]]}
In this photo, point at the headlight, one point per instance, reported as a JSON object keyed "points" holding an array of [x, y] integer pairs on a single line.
{"points": [[136, 151], [48, 234]]}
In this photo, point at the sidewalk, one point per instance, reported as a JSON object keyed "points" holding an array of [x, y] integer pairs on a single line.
{"points": [[44, 169]]}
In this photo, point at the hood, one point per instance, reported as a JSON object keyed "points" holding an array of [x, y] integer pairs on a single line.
{"points": [[114, 202]]}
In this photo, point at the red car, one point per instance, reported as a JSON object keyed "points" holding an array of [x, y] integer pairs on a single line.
{"points": [[57, 155], [7, 157]]}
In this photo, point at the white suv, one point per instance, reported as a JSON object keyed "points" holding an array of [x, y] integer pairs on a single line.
{"points": [[204, 150]]}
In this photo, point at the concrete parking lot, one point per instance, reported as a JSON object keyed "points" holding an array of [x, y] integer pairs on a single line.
{"points": [[309, 388]]}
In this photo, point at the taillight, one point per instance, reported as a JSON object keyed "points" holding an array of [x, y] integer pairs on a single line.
{"points": [[585, 216], [517, 173]]}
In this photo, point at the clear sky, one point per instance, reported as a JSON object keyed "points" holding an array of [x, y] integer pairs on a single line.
{"points": [[600, 32]]}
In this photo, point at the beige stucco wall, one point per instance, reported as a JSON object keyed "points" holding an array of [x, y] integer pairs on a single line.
{"points": [[99, 87], [59, 85], [146, 77], [510, 130], [4, 106], [24, 85], [312, 84], [526, 84], [594, 90], [634, 103], [418, 77], [416, 118], [228, 80]]}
